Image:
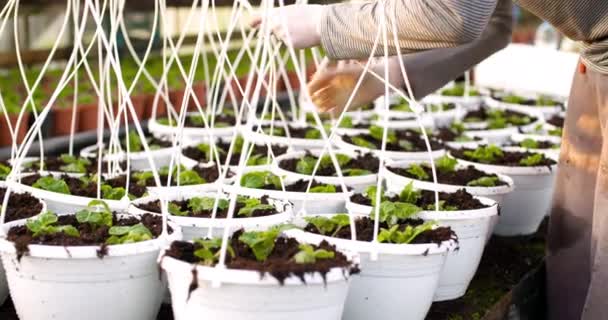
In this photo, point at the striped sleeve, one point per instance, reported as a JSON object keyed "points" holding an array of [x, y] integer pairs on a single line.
{"points": [[348, 30]]}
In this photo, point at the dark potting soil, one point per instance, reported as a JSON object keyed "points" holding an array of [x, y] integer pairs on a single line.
{"points": [[460, 199], [448, 135], [56, 163], [415, 139], [20, 205], [541, 144], [261, 150], [221, 120], [209, 173], [154, 207], [153, 143], [300, 186], [89, 190], [460, 177], [366, 162], [557, 121], [294, 132], [21, 236], [509, 158], [279, 264], [365, 231], [484, 115]]}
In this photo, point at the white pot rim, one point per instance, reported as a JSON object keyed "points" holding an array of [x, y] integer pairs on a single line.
{"points": [[498, 103], [515, 170], [519, 137], [17, 189], [284, 212], [259, 138], [340, 143], [278, 194], [91, 151], [89, 252], [157, 128]]}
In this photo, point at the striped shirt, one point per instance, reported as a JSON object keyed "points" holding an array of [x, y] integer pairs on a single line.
{"points": [[348, 30]]}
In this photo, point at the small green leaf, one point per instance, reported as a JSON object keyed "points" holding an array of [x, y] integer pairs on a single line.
{"points": [[417, 171], [446, 164], [485, 154], [529, 143], [204, 204], [356, 172], [327, 188], [49, 183], [308, 255], [484, 182], [312, 134], [409, 194], [132, 234], [393, 212], [361, 142], [377, 133], [259, 179], [190, 178], [532, 160]]}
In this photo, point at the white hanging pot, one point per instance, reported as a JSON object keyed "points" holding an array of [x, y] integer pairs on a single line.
{"points": [[58, 202], [501, 136], [194, 227], [467, 102], [405, 121], [74, 283], [295, 143], [194, 134], [189, 164], [358, 183], [523, 210], [394, 155], [551, 153], [547, 111], [245, 295], [396, 183], [138, 160], [400, 284]]}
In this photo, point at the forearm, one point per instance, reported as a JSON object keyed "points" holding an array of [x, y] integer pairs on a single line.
{"points": [[431, 70], [348, 31]]}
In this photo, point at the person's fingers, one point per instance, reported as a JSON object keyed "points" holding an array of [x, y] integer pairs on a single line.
{"points": [[256, 21], [323, 93], [323, 104], [320, 80]]}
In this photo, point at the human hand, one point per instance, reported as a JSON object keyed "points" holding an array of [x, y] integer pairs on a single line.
{"points": [[295, 24], [331, 87]]}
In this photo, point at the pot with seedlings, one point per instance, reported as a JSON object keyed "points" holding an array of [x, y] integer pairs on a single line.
{"points": [[304, 194], [470, 217], [161, 152], [69, 164], [533, 174], [548, 145], [266, 275], [218, 125], [54, 261], [547, 105], [457, 94], [188, 176], [401, 262], [359, 170], [400, 144], [442, 114], [205, 214], [297, 136], [497, 125], [456, 136]]}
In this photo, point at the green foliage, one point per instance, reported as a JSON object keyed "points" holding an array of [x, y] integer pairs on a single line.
{"points": [[394, 235], [347, 123], [532, 160], [393, 212], [110, 193], [446, 164], [132, 234], [259, 160], [377, 133], [417, 171], [514, 99], [259, 179], [262, 243], [4, 171], [50, 183], [309, 255], [484, 182], [356, 172], [312, 134], [133, 141], [557, 132], [190, 177], [307, 164], [529, 143], [74, 164], [545, 101], [142, 177], [97, 213], [252, 205], [329, 226], [442, 206], [205, 204], [176, 210], [46, 224], [458, 91], [485, 154], [208, 250], [409, 194], [325, 188], [402, 106], [274, 131], [361, 142]]}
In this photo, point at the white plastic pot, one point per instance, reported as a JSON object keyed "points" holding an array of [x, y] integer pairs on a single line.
{"points": [[405, 120], [57, 202], [400, 284], [467, 102], [394, 155], [138, 160], [518, 137], [193, 228], [74, 283], [523, 210], [472, 228], [295, 143], [501, 136], [189, 164], [358, 183], [195, 134], [547, 111], [244, 295], [396, 183]]}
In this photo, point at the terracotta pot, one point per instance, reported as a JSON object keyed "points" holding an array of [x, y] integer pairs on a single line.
{"points": [[88, 117], [62, 120], [161, 109], [177, 97], [5, 134]]}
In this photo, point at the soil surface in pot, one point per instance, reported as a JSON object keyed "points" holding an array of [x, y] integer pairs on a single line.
{"points": [[508, 118], [449, 135], [366, 161], [280, 263], [406, 141], [540, 144], [90, 235], [460, 199], [304, 132], [506, 261], [557, 121], [88, 189], [509, 158], [300, 186], [208, 172], [222, 213], [197, 121], [365, 231], [20, 205], [58, 164], [459, 177], [258, 150]]}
